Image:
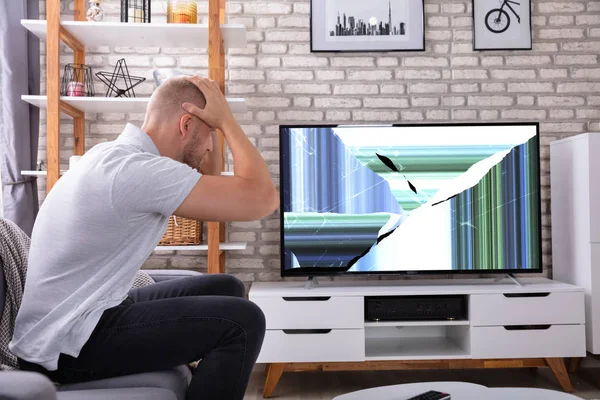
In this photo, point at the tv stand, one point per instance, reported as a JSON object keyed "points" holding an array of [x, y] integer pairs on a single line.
{"points": [[311, 283], [513, 278], [506, 326]]}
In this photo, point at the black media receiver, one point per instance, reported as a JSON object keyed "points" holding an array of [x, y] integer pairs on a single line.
{"points": [[415, 308]]}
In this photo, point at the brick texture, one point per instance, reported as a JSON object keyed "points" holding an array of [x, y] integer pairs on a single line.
{"points": [[557, 84]]}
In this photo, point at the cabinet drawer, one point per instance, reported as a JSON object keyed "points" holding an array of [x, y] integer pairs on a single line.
{"points": [[312, 312], [313, 346], [543, 342], [526, 309]]}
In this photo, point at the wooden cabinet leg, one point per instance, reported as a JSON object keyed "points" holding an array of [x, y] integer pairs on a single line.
{"points": [[274, 372], [574, 364], [557, 365]]}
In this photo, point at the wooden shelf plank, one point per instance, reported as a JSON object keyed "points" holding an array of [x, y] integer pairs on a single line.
{"points": [[117, 34], [204, 247], [416, 323], [116, 104]]}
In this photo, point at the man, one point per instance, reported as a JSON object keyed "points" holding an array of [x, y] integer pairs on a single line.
{"points": [[101, 221]]}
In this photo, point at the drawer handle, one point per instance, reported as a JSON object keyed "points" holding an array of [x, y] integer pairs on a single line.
{"points": [[306, 331], [512, 295], [322, 298], [527, 327]]}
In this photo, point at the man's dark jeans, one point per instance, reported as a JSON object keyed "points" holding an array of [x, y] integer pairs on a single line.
{"points": [[172, 323]]}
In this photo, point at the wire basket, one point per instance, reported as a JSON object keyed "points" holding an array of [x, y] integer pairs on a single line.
{"points": [[77, 81], [182, 231]]}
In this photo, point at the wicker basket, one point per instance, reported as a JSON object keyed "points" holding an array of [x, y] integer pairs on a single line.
{"points": [[181, 231]]}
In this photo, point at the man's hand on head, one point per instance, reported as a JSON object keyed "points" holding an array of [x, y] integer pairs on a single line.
{"points": [[216, 113]]}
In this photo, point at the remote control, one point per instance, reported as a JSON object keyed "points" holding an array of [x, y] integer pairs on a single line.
{"points": [[431, 395]]}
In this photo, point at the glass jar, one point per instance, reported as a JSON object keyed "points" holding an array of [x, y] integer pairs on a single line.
{"points": [[182, 12]]}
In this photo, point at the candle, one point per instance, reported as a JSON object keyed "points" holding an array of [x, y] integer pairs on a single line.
{"points": [[75, 89], [138, 15], [182, 13]]}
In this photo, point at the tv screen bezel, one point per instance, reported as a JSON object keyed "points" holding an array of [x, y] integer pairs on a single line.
{"points": [[303, 273]]}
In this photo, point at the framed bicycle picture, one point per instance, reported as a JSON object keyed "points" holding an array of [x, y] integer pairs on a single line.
{"points": [[372, 26], [502, 24]]}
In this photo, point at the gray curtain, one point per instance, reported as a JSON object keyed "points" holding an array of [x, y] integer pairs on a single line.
{"points": [[19, 122]]}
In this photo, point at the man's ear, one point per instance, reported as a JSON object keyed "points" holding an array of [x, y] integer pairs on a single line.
{"points": [[185, 125]]}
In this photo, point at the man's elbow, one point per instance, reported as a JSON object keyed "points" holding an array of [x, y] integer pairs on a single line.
{"points": [[267, 202], [273, 199]]}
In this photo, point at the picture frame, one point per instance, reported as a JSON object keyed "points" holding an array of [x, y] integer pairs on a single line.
{"points": [[502, 25], [367, 26]]}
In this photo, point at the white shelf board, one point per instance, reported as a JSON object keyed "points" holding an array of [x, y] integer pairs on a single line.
{"points": [[116, 104], [118, 34], [428, 348], [416, 323], [204, 247], [63, 171], [39, 173]]}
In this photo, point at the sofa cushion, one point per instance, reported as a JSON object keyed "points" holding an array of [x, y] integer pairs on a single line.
{"points": [[160, 275], [118, 394], [25, 385], [175, 380]]}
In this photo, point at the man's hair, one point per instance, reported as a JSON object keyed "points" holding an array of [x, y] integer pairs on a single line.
{"points": [[168, 98]]}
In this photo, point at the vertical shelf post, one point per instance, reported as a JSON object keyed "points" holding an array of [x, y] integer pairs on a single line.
{"points": [[79, 10], [216, 71], [79, 58], [53, 92], [221, 137]]}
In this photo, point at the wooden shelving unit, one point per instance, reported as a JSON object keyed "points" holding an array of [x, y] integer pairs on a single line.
{"points": [[78, 34]]}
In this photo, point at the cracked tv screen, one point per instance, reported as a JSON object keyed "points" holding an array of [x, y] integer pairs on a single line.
{"points": [[398, 199]]}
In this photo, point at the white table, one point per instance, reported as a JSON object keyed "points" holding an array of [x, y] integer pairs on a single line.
{"points": [[458, 391]]}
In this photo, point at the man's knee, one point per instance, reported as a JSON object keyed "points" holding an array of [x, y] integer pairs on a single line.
{"points": [[253, 320], [226, 285], [236, 286]]}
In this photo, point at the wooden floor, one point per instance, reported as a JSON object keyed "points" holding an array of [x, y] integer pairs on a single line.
{"points": [[327, 385]]}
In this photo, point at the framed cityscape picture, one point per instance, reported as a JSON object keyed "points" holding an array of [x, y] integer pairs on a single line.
{"points": [[502, 25], [367, 26]]}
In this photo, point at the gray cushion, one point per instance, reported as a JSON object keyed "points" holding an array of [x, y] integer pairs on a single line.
{"points": [[22, 385], [175, 380], [118, 394], [160, 275]]}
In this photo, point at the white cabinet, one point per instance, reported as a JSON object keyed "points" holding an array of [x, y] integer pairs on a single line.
{"points": [[575, 183], [542, 319]]}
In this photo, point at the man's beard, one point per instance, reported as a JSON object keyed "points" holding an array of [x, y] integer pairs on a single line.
{"points": [[191, 154]]}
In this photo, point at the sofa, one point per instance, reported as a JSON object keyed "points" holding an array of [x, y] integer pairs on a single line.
{"points": [[161, 385]]}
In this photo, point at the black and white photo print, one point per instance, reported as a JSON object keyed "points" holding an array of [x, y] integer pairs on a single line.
{"points": [[502, 24], [373, 25]]}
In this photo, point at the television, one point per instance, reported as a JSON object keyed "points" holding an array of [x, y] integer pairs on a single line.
{"points": [[410, 199]]}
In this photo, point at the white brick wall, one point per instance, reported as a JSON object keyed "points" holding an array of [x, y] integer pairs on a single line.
{"points": [[558, 84]]}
